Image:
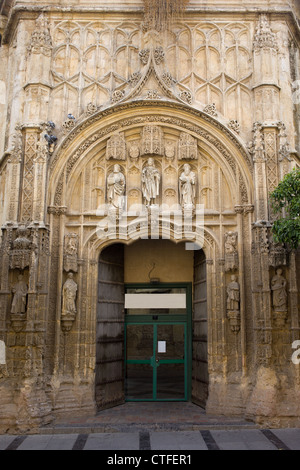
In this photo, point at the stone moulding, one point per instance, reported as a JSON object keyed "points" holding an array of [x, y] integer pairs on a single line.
{"points": [[97, 135]]}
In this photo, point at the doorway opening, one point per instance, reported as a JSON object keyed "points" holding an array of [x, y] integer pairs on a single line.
{"points": [[158, 342], [151, 340]]}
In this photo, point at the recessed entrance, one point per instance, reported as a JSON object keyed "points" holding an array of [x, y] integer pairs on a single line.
{"points": [[151, 332], [157, 343]]}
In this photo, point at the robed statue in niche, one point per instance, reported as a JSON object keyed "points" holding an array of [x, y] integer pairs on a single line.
{"points": [[187, 186], [233, 294], [69, 296], [278, 286], [150, 182], [20, 291], [116, 188]]}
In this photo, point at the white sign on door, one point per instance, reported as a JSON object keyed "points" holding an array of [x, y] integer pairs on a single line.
{"points": [[162, 347]]}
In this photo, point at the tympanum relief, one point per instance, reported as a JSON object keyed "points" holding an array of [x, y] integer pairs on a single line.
{"points": [[149, 165]]}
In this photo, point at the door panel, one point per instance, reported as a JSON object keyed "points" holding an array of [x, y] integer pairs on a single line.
{"points": [[109, 380], [200, 360], [156, 362]]}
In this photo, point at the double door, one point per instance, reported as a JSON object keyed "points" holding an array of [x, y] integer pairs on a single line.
{"points": [[156, 361]]}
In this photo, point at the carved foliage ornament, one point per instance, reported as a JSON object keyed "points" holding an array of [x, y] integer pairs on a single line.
{"points": [[41, 41], [264, 37]]}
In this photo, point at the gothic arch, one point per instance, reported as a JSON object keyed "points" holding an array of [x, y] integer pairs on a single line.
{"points": [[89, 137]]}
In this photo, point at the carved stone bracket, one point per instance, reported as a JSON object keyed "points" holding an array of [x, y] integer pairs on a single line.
{"points": [[234, 318]]}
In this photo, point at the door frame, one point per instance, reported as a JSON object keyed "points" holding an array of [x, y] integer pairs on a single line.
{"points": [[166, 319]]}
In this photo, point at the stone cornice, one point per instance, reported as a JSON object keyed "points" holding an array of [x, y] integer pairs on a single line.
{"points": [[34, 10]]}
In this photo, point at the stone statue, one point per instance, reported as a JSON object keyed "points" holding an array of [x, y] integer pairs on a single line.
{"points": [[150, 182], [231, 251], [278, 286], [69, 296], [187, 182], [233, 304], [20, 291], [233, 295], [116, 188], [71, 252]]}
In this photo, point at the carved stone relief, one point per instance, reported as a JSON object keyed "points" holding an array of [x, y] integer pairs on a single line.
{"points": [[40, 41]]}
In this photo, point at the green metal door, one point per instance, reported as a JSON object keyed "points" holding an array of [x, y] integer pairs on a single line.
{"points": [[156, 363], [158, 352]]}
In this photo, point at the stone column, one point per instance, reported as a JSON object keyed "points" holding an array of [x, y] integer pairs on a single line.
{"points": [[265, 67]]}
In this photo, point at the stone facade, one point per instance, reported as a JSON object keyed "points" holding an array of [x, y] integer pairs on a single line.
{"points": [[89, 97]]}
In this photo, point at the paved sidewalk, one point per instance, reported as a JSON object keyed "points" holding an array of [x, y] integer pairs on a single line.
{"points": [[178, 441], [158, 426]]}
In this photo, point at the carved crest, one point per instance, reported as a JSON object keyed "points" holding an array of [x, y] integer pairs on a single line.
{"points": [[21, 250], [152, 140], [116, 147], [187, 147]]}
